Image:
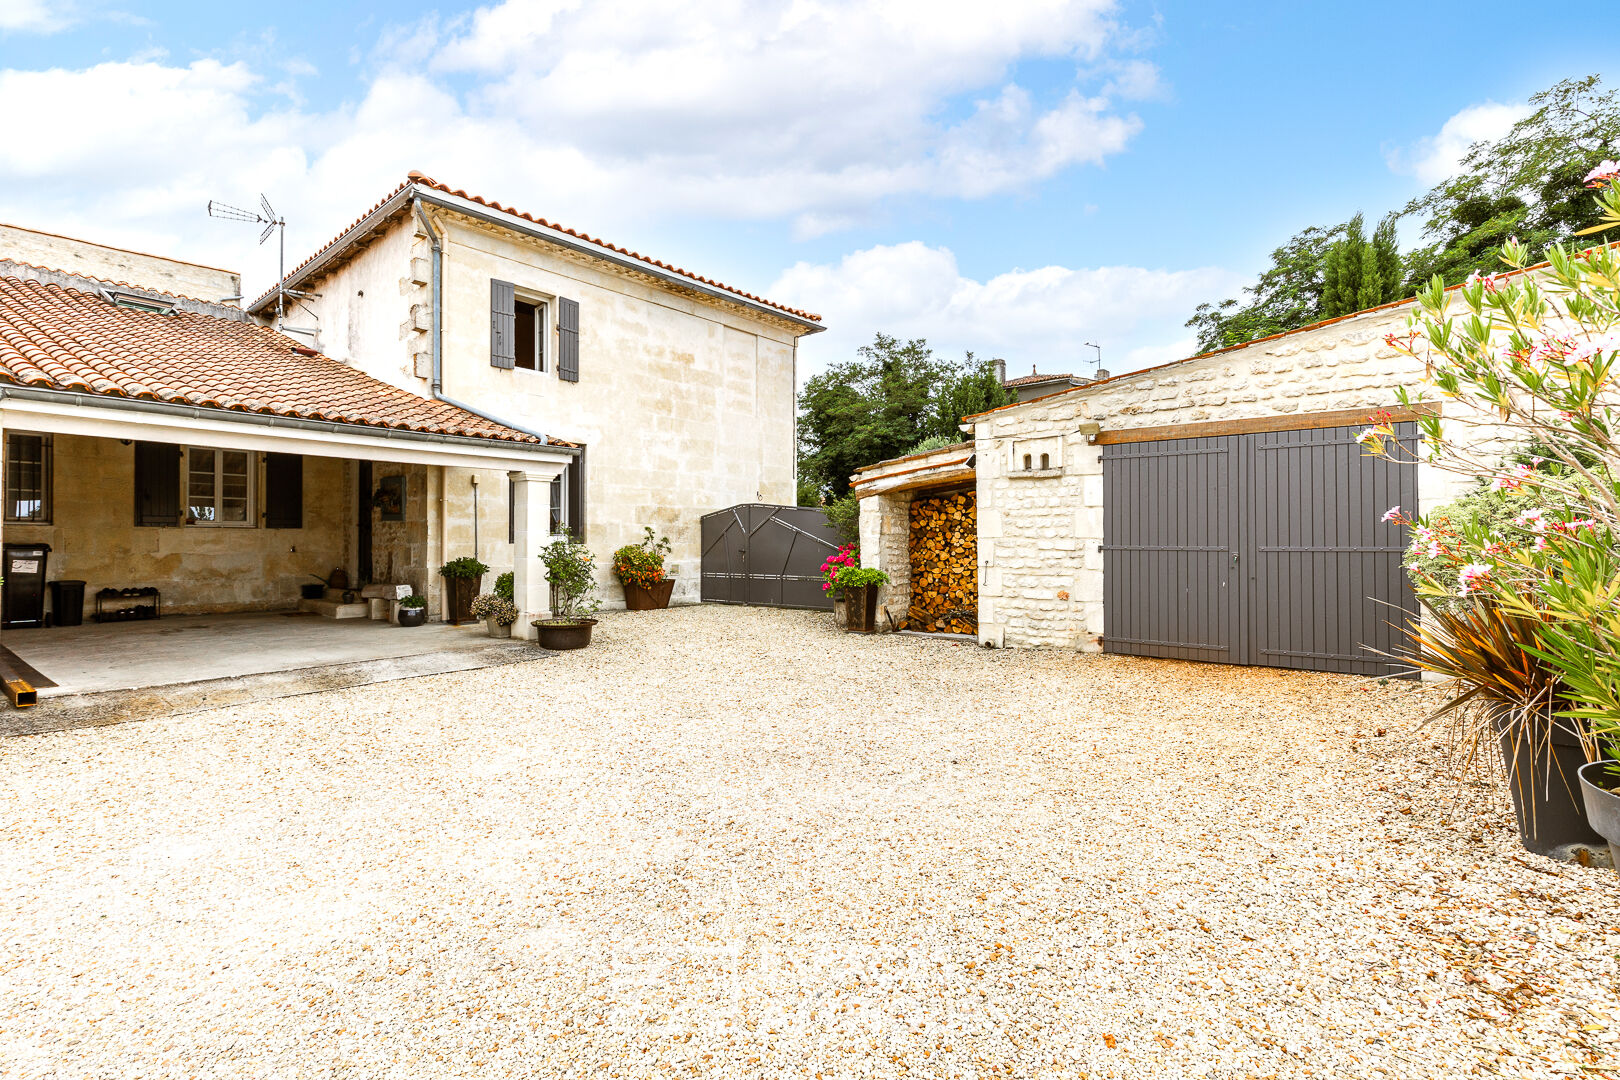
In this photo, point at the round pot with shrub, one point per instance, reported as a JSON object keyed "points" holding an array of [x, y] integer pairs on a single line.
{"points": [[571, 570], [640, 569], [413, 610], [860, 588], [1600, 790], [498, 613], [462, 577]]}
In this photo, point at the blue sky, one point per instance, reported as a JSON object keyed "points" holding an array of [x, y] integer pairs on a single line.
{"points": [[1015, 181]]}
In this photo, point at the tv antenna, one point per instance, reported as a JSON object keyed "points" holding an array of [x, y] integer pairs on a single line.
{"points": [[1094, 345], [266, 215]]}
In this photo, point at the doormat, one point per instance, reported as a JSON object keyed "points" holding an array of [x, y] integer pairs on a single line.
{"points": [[28, 672]]}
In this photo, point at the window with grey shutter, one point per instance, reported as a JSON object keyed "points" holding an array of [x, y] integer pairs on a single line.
{"points": [[502, 324], [568, 340], [283, 491], [157, 484]]}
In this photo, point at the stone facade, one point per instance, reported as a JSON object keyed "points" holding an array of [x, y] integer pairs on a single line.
{"points": [[200, 569], [117, 265], [1040, 530], [684, 406]]}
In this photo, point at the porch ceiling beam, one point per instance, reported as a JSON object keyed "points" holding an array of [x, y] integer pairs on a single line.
{"points": [[119, 418]]}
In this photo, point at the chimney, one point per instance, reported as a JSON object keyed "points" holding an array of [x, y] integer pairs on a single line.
{"points": [[1000, 366], [1101, 374]]}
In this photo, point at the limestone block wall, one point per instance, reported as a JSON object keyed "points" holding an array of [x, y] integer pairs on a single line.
{"points": [[200, 570], [886, 546], [1040, 536], [117, 265]]}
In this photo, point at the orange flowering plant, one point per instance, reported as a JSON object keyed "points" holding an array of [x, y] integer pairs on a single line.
{"points": [[642, 564]]}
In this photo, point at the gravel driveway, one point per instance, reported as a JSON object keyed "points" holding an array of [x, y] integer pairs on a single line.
{"points": [[732, 842]]}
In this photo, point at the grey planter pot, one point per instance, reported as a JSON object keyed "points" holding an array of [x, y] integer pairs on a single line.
{"points": [[1603, 804], [1541, 768], [498, 629], [840, 613]]}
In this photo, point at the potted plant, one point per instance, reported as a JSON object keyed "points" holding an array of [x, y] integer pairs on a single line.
{"points": [[1600, 791], [504, 586], [848, 555], [571, 570], [497, 612], [860, 588], [462, 578], [640, 569], [413, 610]]}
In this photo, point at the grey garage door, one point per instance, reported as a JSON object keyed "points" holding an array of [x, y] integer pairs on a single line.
{"points": [[1257, 549], [766, 556]]}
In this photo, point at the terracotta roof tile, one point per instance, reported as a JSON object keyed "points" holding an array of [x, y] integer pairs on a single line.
{"points": [[1026, 380], [428, 181], [67, 339]]}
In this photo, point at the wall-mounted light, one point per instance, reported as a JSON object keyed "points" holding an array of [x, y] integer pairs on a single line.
{"points": [[1091, 429]]}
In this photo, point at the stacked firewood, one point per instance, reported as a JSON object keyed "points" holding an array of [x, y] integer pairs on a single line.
{"points": [[944, 564]]}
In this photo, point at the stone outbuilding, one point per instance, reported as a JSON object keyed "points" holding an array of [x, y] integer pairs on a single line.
{"points": [[1217, 508]]}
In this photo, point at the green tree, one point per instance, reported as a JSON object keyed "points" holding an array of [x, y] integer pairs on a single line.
{"points": [[1359, 273], [890, 398], [1288, 295], [1529, 184]]}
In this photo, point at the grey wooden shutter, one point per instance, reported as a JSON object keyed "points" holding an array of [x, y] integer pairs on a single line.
{"points": [[568, 340], [157, 484], [283, 491], [557, 523], [576, 495], [502, 324]]}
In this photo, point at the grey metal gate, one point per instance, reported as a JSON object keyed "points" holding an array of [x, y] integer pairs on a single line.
{"points": [[767, 556], [1257, 549]]}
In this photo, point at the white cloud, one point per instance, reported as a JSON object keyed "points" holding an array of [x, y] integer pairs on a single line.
{"points": [[612, 116], [1039, 317], [1436, 157], [35, 16]]}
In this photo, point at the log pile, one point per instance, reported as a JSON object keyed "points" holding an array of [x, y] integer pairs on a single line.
{"points": [[944, 542]]}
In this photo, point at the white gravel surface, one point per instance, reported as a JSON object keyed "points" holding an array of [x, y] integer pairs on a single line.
{"points": [[732, 842]]}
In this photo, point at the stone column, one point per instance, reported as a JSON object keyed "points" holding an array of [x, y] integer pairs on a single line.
{"points": [[531, 514], [885, 545]]}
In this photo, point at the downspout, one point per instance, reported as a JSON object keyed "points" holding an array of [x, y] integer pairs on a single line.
{"points": [[436, 387]]}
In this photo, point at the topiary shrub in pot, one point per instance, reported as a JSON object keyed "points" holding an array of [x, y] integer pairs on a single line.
{"points": [[640, 569], [413, 610], [860, 588], [571, 570], [462, 577], [498, 613]]}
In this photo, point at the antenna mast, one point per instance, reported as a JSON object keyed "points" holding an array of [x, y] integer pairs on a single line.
{"points": [[266, 216], [1094, 345]]}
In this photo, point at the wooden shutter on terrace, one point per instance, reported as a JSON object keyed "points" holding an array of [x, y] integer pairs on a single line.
{"points": [[502, 324], [283, 491], [576, 495], [567, 340], [157, 484]]}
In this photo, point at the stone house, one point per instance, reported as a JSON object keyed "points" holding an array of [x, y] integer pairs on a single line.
{"points": [[445, 378], [1216, 508], [674, 393]]}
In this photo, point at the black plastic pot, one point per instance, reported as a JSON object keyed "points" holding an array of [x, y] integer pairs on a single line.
{"points": [[1603, 803], [562, 636], [860, 603], [1543, 777], [412, 616]]}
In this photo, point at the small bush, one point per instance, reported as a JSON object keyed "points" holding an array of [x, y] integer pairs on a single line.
{"points": [[844, 514], [464, 567]]}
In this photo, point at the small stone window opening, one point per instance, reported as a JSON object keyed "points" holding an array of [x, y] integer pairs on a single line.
{"points": [[1046, 461], [1027, 462]]}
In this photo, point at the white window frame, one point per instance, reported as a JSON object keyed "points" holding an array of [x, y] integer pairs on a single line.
{"points": [[560, 525], [46, 469], [254, 464], [542, 326]]}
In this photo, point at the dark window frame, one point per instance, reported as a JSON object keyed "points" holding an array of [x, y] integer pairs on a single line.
{"points": [[47, 501]]}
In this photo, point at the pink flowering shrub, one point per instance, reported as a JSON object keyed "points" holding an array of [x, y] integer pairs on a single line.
{"points": [[848, 555], [1530, 359]]}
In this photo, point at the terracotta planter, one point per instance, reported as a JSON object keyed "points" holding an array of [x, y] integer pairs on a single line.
{"points": [[1542, 769], [860, 601], [562, 636], [1603, 803], [459, 594], [498, 629], [639, 598], [412, 616]]}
